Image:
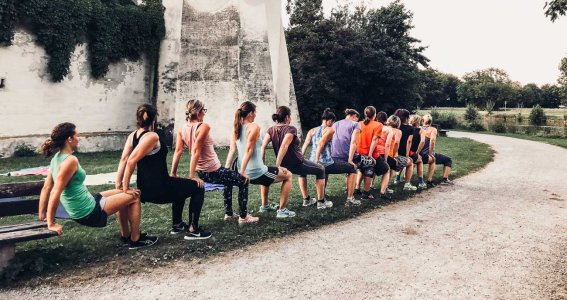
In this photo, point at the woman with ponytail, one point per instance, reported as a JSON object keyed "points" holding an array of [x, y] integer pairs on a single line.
{"points": [[65, 184], [288, 152], [145, 150], [245, 140], [398, 162], [321, 140], [195, 136]]}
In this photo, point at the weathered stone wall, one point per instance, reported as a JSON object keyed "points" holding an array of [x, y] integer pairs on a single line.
{"points": [[32, 105]]}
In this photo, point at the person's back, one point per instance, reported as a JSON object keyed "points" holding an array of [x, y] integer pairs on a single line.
{"points": [[75, 197], [395, 139], [325, 158], [152, 172], [407, 131], [416, 138], [255, 167], [208, 161], [340, 146], [293, 158], [368, 132]]}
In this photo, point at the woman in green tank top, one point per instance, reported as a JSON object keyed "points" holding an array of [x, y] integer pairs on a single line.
{"points": [[65, 184]]}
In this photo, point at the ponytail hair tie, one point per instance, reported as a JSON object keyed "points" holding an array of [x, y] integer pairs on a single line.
{"points": [[145, 116]]}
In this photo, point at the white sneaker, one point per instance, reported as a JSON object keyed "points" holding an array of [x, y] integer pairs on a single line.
{"points": [[309, 202], [285, 213], [409, 187], [324, 204], [389, 191], [422, 185], [352, 202], [249, 219]]}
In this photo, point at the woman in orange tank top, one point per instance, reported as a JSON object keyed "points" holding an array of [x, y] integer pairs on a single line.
{"points": [[396, 162]]}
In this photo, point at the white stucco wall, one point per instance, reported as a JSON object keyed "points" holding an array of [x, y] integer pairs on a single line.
{"points": [[32, 105]]}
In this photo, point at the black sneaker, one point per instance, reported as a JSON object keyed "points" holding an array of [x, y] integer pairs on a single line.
{"points": [[357, 192], [179, 228], [367, 196], [430, 184], [126, 240], [386, 196], [144, 241], [446, 182], [200, 234]]}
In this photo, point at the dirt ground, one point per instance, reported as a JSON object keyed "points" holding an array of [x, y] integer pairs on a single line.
{"points": [[499, 233]]}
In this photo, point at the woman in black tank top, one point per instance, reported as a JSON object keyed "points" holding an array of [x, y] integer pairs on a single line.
{"points": [[146, 150]]}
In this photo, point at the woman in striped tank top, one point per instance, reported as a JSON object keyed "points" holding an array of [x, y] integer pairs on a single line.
{"points": [[195, 136]]}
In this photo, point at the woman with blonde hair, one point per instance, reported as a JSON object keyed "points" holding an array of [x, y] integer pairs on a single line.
{"points": [[195, 136], [428, 154], [398, 162], [415, 122]]}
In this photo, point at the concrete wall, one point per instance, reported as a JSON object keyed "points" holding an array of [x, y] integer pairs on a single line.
{"points": [[32, 105]]}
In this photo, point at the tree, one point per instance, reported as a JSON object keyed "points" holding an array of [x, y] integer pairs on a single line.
{"points": [[439, 89], [552, 96], [478, 87], [529, 95], [555, 8]]}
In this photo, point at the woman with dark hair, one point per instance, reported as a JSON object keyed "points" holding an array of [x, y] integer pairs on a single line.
{"points": [[65, 184], [195, 135], [245, 140], [405, 139], [371, 132], [286, 147], [382, 117], [398, 162], [145, 150], [320, 139], [415, 122]]}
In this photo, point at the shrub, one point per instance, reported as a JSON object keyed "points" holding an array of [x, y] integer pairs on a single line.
{"points": [[519, 118], [471, 114], [512, 128], [498, 126], [490, 106], [476, 126], [24, 150], [537, 116]]}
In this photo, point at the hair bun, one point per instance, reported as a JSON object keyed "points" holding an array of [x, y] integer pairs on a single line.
{"points": [[275, 117]]}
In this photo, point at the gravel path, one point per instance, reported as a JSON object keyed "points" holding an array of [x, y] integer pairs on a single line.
{"points": [[498, 233]]}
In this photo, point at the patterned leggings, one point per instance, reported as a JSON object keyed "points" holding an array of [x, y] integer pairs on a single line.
{"points": [[229, 178]]}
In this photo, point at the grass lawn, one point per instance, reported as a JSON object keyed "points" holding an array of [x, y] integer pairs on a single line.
{"points": [[83, 253], [561, 142]]}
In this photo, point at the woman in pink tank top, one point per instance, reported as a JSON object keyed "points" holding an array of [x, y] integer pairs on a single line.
{"points": [[195, 136]]}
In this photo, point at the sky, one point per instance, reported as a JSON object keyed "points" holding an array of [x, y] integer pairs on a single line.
{"points": [[468, 35]]}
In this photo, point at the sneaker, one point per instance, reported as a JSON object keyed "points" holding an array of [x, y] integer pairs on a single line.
{"points": [[285, 213], [446, 182], [144, 241], [126, 240], [267, 208], [200, 234], [357, 192], [352, 202], [309, 202], [430, 184], [389, 191], [397, 180], [231, 218], [386, 196], [409, 187], [367, 196], [422, 185], [179, 228], [324, 204], [248, 219]]}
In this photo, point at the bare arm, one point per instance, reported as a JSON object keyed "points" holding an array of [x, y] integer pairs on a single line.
{"points": [[177, 154], [354, 139], [146, 145], [44, 196], [389, 138], [202, 134], [307, 141], [408, 144], [252, 134], [432, 141], [421, 140], [231, 151], [397, 135], [327, 136], [373, 145], [265, 143], [123, 159], [66, 170], [283, 148]]}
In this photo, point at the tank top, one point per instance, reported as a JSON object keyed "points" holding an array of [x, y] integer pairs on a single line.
{"points": [[76, 199], [416, 139], [255, 167], [381, 147], [427, 139], [367, 133], [325, 158], [152, 169], [293, 158], [393, 143], [208, 161]]}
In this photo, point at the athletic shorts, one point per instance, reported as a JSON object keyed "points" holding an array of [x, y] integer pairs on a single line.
{"points": [[365, 164], [381, 167], [267, 178], [414, 156], [339, 167], [393, 164], [402, 162], [308, 168], [440, 159], [96, 218]]}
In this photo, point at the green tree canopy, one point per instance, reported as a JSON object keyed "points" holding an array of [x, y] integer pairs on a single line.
{"points": [[494, 84]]}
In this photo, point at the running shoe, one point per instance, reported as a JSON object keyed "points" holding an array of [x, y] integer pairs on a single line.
{"points": [[249, 219], [179, 228], [397, 180], [446, 182], [409, 187], [367, 196], [430, 184], [389, 191], [267, 208], [230, 218], [357, 192], [144, 241], [422, 185], [309, 202], [352, 202], [285, 213], [386, 196], [324, 204], [200, 234]]}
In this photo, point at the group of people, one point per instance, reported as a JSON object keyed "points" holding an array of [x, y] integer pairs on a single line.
{"points": [[376, 146]]}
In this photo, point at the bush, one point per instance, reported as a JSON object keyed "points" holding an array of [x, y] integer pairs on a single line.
{"points": [[498, 126], [471, 114], [490, 106], [519, 118], [476, 126], [537, 116], [446, 120], [24, 150], [512, 129]]}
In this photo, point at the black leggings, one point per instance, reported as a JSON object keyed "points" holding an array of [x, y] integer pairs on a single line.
{"points": [[229, 178], [308, 168], [176, 191]]}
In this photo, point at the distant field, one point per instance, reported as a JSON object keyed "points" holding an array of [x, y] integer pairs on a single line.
{"points": [[460, 111]]}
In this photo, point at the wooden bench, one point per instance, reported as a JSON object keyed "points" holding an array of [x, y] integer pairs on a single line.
{"points": [[14, 203], [442, 132]]}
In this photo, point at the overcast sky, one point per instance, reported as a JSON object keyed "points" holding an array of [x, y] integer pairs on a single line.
{"points": [[467, 35]]}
